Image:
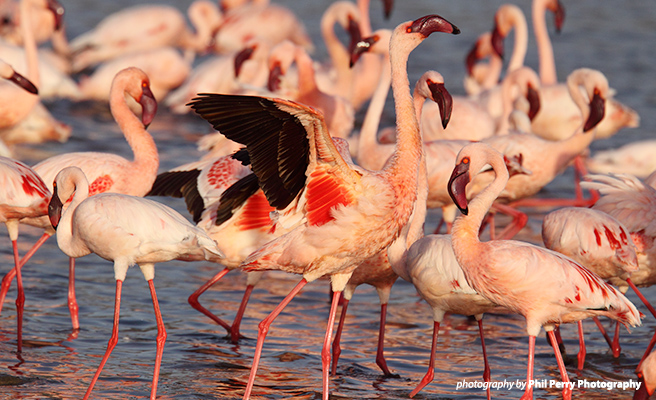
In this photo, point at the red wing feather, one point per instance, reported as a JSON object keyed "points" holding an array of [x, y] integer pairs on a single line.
{"points": [[324, 192]]}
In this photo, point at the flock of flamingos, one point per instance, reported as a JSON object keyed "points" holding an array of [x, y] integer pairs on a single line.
{"points": [[286, 184]]}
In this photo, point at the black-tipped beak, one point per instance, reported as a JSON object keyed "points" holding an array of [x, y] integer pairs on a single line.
{"points": [[642, 393], [559, 16], [388, 6], [533, 98], [457, 184], [273, 84], [242, 57], [354, 32], [472, 59], [23, 82], [362, 47], [597, 111], [433, 23], [443, 99], [55, 208], [497, 42], [148, 105], [58, 11]]}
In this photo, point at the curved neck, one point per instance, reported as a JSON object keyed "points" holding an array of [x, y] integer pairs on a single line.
{"points": [[365, 21], [339, 55], [545, 50], [521, 42], [142, 144], [368, 132], [69, 243], [29, 42]]}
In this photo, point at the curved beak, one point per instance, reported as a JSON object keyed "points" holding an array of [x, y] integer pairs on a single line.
{"points": [[533, 98], [23, 82], [457, 184], [471, 59], [273, 84], [433, 23], [362, 47], [55, 208], [242, 57], [388, 6], [354, 33], [559, 16], [58, 11], [148, 105], [443, 99], [597, 111], [497, 42]]}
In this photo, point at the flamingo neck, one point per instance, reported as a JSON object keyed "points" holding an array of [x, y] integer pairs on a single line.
{"points": [[339, 56], [545, 50], [146, 157], [368, 143], [521, 42], [29, 42], [307, 83], [71, 244], [365, 22], [466, 228]]}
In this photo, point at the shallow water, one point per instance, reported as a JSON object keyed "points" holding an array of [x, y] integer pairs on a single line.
{"points": [[200, 363]]}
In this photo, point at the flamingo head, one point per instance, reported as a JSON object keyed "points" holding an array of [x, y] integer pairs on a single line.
{"points": [[597, 111], [443, 98], [460, 177], [644, 391], [361, 47], [471, 59], [58, 11], [497, 40], [273, 84]]}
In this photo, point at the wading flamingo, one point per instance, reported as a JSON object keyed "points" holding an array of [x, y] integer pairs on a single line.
{"points": [[647, 376], [23, 195], [108, 172], [597, 241], [127, 230], [544, 286], [371, 207]]}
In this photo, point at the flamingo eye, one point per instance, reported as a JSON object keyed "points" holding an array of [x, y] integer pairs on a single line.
{"points": [[408, 29], [465, 160]]}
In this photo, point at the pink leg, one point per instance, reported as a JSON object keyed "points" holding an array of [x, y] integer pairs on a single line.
{"points": [[642, 297], [72, 302], [582, 352], [617, 349], [234, 329], [193, 299], [20, 299], [263, 329], [161, 338], [486, 370], [325, 350], [6, 280], [337, 350], [439, 226], [528, 393], [603, 332], [380, 356], [112, 340], [567, 391], [428, 378]]}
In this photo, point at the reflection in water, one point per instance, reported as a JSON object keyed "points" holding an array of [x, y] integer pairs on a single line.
{"points": [[200, 362]]}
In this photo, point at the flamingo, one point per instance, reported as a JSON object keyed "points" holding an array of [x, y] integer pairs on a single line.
{"points": [[634, 158], [597, 241], [259, 19], [145, 27], [547, 64], [559, 115], [23, 195], [127, 230], [371, 207], [544, 286], [482, 76], [109, 172], [544, 158], [46, 20], [631, 202]]}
